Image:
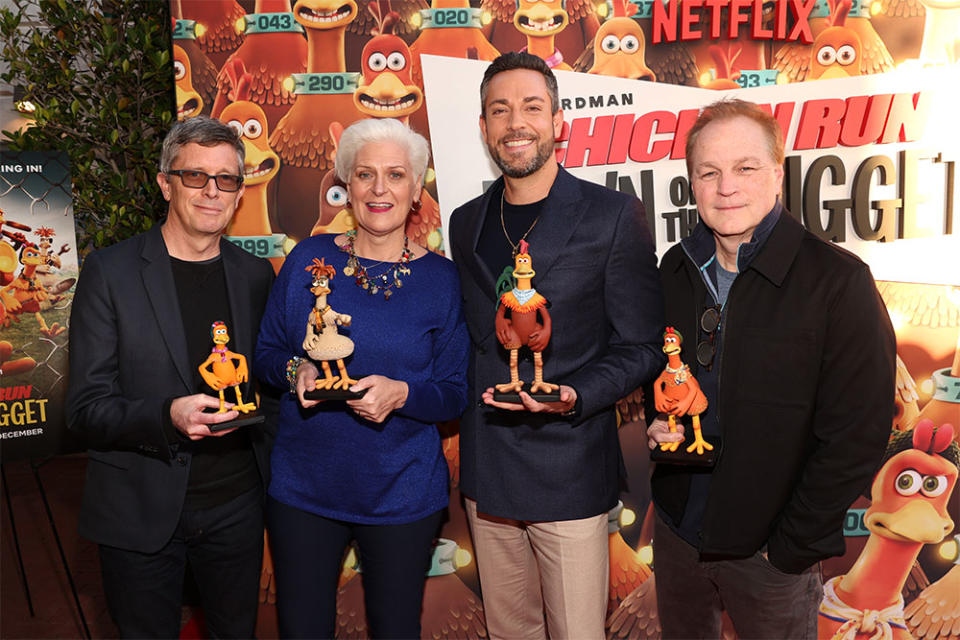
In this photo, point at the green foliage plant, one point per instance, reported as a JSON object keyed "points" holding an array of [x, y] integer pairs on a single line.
{"points": [[100, 75]]}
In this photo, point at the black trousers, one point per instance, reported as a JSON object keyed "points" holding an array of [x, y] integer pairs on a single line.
{"points": [[307, 555], [224, 546]]}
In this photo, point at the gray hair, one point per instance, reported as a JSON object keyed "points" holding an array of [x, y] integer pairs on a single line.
{"points": [[201, 130], [364, 132]]}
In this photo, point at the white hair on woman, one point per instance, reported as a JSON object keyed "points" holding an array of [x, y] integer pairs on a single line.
{"points": [[379, 130]]}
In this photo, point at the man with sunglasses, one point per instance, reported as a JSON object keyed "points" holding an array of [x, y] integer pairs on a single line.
{"points": [[169, 482], [794, 350]]}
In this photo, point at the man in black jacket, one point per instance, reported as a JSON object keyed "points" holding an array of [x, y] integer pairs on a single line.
{"points": [[164, 487], [794, 351]]}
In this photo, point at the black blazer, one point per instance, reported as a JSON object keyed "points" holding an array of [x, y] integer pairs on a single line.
{"points": [[595, 263], [128, 355]]}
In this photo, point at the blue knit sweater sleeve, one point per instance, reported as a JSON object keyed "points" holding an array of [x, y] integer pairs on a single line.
{"points": [[444, 396], [275, 344]]}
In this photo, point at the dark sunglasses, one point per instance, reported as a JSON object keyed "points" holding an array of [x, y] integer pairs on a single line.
{"points": [[199, 179], [707, 349]]}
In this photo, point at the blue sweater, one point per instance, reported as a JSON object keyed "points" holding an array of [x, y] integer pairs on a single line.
{"points": [[328, 461]]}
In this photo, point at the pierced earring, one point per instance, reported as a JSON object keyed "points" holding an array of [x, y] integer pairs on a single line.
{"points": [[416, 206]]}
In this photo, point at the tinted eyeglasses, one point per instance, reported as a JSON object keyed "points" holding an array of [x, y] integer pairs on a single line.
{"points": [[199, 179], [707, 348]]}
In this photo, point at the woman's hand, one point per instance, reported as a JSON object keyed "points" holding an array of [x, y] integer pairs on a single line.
{"points": [[382, 397], [307, 374]]}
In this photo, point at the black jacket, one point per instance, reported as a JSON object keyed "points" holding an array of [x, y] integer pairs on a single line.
{"points": [[594, 261], [806, 397], [128, 355]]}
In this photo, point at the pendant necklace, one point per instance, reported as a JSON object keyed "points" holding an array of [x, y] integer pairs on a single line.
{"points": [[374, 284], [503, 225]]}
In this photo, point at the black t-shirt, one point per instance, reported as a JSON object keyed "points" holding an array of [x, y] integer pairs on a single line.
{"points": [[222, 467], [493, 247]]}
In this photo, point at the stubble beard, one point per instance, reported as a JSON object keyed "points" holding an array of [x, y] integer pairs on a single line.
{"points": [[544, 150]]}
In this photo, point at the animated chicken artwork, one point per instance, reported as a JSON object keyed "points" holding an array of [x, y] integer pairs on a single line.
{"points": [[910, 495], [677, 393], [404, 23], [620, 46], [837, 51], [541, 21], [25, 294], [189, 102], [333, 215], [323, 343], [521, 302], [216, 27], [203, 73], [511, 22], [456, 34], [251, 226], [225, 369], [324, 95], [273, 49]]}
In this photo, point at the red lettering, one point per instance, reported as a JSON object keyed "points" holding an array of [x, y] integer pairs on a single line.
{"points": [[581, 140], [664, 21], [735, 17], [907, 119], [864, 119], [620, 140], [685, 120], [783, 114], [642, 131], [801, 27], [756, 19], [780, 20], [716, 9], [560, 144], [819, 126], [688, 18]]}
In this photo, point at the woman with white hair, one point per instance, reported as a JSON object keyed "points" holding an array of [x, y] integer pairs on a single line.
{"points": [[368, 469]]}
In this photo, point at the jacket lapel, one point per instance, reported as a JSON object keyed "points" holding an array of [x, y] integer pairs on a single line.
{"points": [[238, 295], [561, 215], [158, 281], [477, 267]]}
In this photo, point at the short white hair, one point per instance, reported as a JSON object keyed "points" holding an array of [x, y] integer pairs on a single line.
{"points": [[378, 130]]}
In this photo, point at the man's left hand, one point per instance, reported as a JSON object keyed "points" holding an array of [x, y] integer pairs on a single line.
{"points": [[568, 400]]}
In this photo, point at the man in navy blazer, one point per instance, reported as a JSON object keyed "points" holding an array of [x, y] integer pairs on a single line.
{"points": [[162, 489], [540, 477]]}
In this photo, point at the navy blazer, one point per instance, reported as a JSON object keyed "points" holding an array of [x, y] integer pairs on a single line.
{"points": [[595, 264], [128, 356]]}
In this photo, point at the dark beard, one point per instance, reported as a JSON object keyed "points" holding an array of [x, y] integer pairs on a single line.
{"points": [[544, 150]]}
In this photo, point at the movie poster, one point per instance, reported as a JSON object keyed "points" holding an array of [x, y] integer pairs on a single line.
{"points": [[866, 91], [38, 270]]}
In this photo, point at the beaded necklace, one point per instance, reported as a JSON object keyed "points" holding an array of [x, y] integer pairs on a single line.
{"points": [[382, 282]]}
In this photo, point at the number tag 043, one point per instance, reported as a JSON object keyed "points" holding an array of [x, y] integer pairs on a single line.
{"points": [[272, 23]]}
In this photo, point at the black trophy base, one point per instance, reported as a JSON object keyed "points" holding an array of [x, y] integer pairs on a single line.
{"points": [[333, 394], [706, 459], [513, 397], [245, 420]]}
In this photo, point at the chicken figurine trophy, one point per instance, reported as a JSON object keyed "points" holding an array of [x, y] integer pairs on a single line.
{"points": [[517, 325], [677, 393], [224, 369], [323, 342]]}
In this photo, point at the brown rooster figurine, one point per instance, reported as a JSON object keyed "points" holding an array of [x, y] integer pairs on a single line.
{"points": [[521, 328], [677, 393]]}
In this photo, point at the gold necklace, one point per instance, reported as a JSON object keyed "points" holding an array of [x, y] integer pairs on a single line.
{"points": [[514, 245]]}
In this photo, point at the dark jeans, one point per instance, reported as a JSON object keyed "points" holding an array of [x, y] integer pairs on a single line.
{"points": [[761, 600], [307, 555], [224, 546]]}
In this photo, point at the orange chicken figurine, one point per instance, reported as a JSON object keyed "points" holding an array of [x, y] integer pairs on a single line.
{"points": [[224, 368], [910, 498], [677, 393], [521, 328]]}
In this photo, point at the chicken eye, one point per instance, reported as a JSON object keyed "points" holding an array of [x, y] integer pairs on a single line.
{"points": [[908, 482], [846, 54], [933, 486], [396, 61], [252, 128], [377, 61], [336, 196], [826, 55], [237, 127], [629, 44], [179, 70], [610, 44]]}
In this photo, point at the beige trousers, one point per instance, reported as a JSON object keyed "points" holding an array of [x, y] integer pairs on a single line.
{"points": [[542, 579]]}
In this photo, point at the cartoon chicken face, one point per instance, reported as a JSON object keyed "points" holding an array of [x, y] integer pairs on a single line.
{"points": [[189, 102], [836, 54], [324, 14], [540, 17], [618, 51], [387, 90], [910, 495], [260, 163]]}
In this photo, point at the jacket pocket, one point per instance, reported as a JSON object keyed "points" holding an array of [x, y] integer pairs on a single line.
{"points": [[116, 459]]}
